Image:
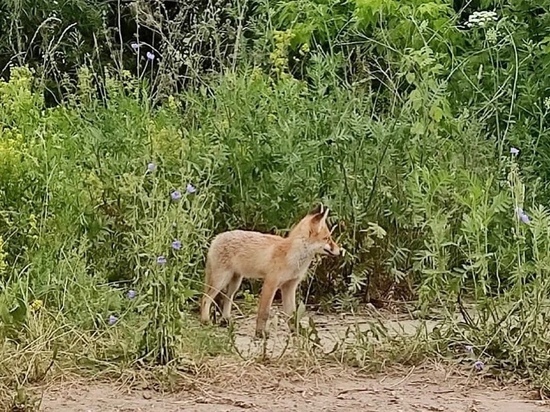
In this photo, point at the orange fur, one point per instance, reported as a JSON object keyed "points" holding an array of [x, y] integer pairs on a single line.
{"points": [[281, 262]]}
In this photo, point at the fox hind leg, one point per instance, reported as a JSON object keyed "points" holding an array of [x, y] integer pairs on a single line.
{"points": [[232, 287], [216, 281]]}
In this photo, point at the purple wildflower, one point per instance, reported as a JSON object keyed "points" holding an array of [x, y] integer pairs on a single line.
{"points": [[478, 365], [514, 151], [112, 320], [522, 215], [151, 167], [135, 46], [176, 245], [150, 56], [176, 195], [131, 294], [190, 189], [161, 260], [525, 219]]}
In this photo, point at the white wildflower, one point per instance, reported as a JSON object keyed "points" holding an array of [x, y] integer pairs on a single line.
{"points": [[481, 18]]}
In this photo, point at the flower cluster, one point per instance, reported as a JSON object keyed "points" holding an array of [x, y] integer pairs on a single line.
{"points": [[36, 305], [176, 194], [150, 55], [481, 18]]}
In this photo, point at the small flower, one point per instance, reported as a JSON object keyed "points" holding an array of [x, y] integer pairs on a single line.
{"points": [[478, 365], [131, 294], [469, 348], [112, 320], [161, 260], [135, 46], [190, 189], [514, 151], [519, 212], [36, 305], [176, 195], [150, 56], [176, 245], [151, 167], [492, 35], [525, 218], [522, 215]]}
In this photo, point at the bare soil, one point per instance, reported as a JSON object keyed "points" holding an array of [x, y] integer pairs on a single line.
{"points": [[424, 390], [255, 387]]}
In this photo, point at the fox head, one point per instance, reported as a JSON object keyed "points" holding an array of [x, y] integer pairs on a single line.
{"points": [[319, 235]]}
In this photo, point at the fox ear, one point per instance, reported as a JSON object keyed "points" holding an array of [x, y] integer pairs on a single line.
{"points": [[325, 214], [319, 219], [317, 209]]}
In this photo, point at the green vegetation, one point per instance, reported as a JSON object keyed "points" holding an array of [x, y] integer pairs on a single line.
{"points": [[127, 130]]}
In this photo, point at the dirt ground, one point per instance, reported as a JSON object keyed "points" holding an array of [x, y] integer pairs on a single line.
{"points": [[418, 391], [255, 387]]}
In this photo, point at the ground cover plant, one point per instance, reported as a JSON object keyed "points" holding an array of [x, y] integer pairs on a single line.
{"points": [[131, 133]]}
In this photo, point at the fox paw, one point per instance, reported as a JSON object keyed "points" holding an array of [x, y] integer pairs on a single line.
{"points": [[261, 334], [225, 322]]}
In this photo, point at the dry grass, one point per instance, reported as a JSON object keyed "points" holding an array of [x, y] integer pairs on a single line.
{"points": [[366, 344]]}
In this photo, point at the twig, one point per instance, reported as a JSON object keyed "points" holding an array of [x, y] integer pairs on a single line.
{"points": [[355, 390], [401, 381]]}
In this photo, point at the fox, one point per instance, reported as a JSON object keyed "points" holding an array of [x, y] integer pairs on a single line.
{"points": [[281, 262]]}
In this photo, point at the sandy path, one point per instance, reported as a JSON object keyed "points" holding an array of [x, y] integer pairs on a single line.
{"points": [[419, 391], [257, 388]]}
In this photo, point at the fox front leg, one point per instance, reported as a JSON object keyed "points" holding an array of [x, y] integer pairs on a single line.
{"points": [[288, 292], [266, 298]]}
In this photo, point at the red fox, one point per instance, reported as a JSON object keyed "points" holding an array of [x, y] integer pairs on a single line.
{"points": [[281, 262]]}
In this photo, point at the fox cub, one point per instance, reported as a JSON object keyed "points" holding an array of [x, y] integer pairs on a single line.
{"points": [[281, 262]]}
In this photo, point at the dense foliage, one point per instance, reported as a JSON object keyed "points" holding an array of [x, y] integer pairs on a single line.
{"points": [[131, 133]]}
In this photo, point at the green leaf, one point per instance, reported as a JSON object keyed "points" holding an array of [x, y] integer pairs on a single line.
{"points": [[416, 99], [436, 113], [19, 312]]}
